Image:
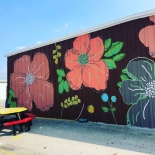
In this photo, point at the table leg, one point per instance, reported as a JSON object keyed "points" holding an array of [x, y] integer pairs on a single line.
{"points": [[19, 116]]}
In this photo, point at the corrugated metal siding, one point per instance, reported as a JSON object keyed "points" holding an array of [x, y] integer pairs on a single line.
{"points": [[126, 33]]}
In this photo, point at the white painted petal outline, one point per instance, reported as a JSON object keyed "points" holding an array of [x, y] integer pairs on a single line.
{"points": [[41, 96], [33, 68], [144, 109], [134, 89], [143, 79], [147, 72], [37, 69], [46, 85]]}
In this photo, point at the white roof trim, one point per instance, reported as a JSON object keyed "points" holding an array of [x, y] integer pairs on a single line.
{"points": [[96, 28], [3, 81]]}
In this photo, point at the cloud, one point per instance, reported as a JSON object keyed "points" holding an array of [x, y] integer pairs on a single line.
{"points": [[20, 47], [56, 30], [39, 42], [67, 25], [64, 27]]}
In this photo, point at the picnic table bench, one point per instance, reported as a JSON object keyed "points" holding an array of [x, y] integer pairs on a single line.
{"points": [[26, 121]]}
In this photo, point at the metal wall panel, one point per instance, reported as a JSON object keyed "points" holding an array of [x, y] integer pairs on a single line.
{"points": [[106, 76]]}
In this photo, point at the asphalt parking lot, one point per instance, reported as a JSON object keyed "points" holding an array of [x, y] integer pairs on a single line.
{"points": [[57, 137]]}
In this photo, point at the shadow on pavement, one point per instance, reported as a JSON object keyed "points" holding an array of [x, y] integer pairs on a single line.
{"points": [[121, 137]]}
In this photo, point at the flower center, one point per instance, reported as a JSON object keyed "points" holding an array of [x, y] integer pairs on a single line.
{"points": [[83, 59], [29, 79], [150, 89]]}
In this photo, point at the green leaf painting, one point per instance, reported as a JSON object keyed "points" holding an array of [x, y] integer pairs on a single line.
{"points": [[142, 96], [10, 102], [119, 84], [114, 49], [61, 87], [105, 109], [113, 109], [112, 54], [59, 78], [11, 92], [132, 77], [119, 57], [13, 104], [9, 99], [63, 84], [124, 77], [60, 72], [107, 44], [110, 63], [124, 70], [66, 86]]}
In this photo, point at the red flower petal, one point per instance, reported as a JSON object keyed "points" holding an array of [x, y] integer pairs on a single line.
{"points": [[96, 49], [95, 75], [22, 65], [71, 59], [81, 43], [17, 83], [147, 37], [43, 94], [25, 99], [152, 18], [74, 78], [40, 66]]}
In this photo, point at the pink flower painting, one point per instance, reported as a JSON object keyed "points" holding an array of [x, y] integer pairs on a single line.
{"points": [[29, 82]]}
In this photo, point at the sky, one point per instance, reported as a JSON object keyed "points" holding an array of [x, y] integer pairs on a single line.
{"points": [[25, 23]]}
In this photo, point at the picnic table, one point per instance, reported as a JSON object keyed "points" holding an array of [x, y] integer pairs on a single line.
{"points": [[9, 111], [22, 118]]}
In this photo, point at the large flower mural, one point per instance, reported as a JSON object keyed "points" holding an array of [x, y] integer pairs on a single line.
{"points": [[84, 63], [147, 37], [29, 82], [139, 91]]}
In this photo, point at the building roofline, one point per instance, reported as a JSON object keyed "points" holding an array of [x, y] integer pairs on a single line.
{"points": [[93, 29], [3, 81]]}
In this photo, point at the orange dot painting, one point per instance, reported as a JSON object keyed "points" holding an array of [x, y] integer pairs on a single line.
{"points": [[84, 63], [29, 82]]}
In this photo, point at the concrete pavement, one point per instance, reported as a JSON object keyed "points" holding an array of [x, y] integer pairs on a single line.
{"points": [[56, 137]]}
